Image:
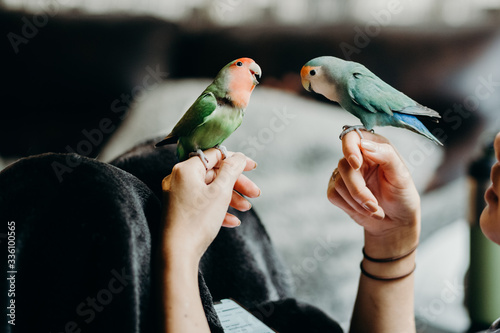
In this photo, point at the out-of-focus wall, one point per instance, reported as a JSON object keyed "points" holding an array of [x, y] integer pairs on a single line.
{"points": [[310, 12]]}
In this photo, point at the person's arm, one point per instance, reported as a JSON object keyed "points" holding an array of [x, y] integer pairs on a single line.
{"points": [[375, 188], [194, 208]]}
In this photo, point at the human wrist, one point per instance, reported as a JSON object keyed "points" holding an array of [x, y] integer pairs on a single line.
{"points": [[179, 250], [390, 255], [176, 260], [394, 242], [178, 242], [391, 270]]}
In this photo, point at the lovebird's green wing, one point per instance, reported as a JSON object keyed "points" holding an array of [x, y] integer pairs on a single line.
{"points": [[373, 94], [195, 116]]}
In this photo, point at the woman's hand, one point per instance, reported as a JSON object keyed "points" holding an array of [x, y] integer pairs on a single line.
{"points": [[196, 200], [375, 188]]}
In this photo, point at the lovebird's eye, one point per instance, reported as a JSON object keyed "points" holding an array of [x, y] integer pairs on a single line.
{"points": [[312, 72], [239, 64]]}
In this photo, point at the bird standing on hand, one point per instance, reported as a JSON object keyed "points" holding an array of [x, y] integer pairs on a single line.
{"points": [[365, 95], [217, 112]]}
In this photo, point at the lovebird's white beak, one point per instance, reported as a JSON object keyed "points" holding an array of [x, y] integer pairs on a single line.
{"points": [[256, 72], [307, 85]]}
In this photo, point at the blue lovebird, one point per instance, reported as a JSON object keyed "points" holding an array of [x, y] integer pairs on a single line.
{"points": [[365, 95]]}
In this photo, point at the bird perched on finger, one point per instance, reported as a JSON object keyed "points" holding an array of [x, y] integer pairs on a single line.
{"points": [[217, 112], [365, 95]]}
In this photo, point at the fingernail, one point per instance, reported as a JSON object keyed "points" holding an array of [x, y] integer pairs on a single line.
{"points": [[370, 206], [249, 206], [354, 162], [378, 216], [369, 146], [255, 167]]}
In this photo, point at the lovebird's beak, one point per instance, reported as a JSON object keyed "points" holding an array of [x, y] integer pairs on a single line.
{"points": [[256, 72], [304, 72], [307, 85]]}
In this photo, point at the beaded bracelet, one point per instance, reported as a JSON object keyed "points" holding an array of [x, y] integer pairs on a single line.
{"points": [[381, 278], [389, 259]]}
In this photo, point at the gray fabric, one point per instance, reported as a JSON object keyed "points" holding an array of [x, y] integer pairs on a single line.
{"points": [[86, 242]]}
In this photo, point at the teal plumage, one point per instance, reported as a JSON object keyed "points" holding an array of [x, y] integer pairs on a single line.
{"points": [[365, 95]]}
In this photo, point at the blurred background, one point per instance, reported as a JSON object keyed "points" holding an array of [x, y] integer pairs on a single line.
{"points": [[281, 12], [98, 76]]}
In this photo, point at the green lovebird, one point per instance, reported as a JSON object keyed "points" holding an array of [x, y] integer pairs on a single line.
{"points": [[365, 95], [217, 113]]}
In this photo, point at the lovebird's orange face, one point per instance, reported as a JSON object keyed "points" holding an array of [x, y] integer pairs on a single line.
{"points": [[245, 70], [306, 73], [244, 74]]}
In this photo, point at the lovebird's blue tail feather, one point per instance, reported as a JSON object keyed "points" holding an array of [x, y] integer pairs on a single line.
{"points": [[413, 124]]}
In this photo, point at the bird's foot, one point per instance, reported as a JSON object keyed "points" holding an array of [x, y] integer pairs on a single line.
{"points": [[202, 157], [223, 151], [346, 129]]}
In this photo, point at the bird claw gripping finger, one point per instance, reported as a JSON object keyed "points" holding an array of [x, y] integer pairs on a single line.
{"points": [[346, 129], [202, 157], [223, 151]]}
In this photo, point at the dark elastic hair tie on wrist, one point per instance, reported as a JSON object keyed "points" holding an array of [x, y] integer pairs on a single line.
{"points": [[388, 259], [382, 278]]}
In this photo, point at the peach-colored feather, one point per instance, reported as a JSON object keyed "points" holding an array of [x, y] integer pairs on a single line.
{"points": [[241, 83]]}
